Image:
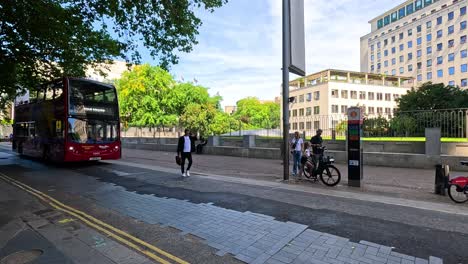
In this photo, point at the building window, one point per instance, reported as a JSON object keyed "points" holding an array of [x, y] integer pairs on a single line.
{"points": [[419, 53], [372, 47], [379, 110], [371, 110], [451, 70], [393, 39], [344, 94], [410, 56], [401, 36], [334, 93], [419, 29], [450, 16], [301, 112], [372, 68], [429, 24], [440, 60], [393, 50], [388, 97], [419, 41], [451, 83], [429, 50], [401, 12], [385, 42], [463, 11], [378, 45], [317, 95], [295, 112], [429, 63], [344, 109], [439, 20], [463, 53], [402, 58], [439, 47], [379, 56], [370, 95], [439, 33], [362, 95], [316, 110], [419, 65], [393, 61], [451, 29], [308, 125], [410, 32], [410, 44], [308, 111], [402, 47], [440, 73], [295, 126], [379, 96], [388, 110], [463, 25], [402, 70], [451, 57], [353, 94], [410, 67], [419, 77], [378, 66], [451, 43], [463, 39], [309, 97], [463, 67], [301, 125], [394, 16], [394, 72], [334, 109], [385, 53], [385, 63], [428, 37], [372, 58], [301, 98], [409, 9], [464, 82], [429, 75], [316, 125]]}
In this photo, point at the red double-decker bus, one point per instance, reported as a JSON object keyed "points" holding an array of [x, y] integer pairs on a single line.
{"points": [[70, 119]]}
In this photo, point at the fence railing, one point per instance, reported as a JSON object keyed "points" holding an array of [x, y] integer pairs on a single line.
{"points": [[452, 122]]}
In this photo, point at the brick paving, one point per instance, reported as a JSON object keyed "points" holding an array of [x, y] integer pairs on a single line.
{"points": [[250, 237]]}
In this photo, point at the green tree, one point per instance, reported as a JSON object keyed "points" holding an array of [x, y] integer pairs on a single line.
{"points": [[142, 94], [255, 114], [433, 96], [199, 117], [45, 39]]}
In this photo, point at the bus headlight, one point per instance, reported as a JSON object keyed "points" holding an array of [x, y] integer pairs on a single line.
{"points": [[71, 148], [116, 147]]}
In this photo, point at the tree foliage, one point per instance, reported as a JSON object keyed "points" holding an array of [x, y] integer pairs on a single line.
{"points": [[252, 113], [433, 96], [45, 39]]}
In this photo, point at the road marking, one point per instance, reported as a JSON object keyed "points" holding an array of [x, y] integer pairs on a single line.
{"points": [[121, 236]]}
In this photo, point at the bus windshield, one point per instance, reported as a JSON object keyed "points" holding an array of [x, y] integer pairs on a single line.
{"points": [[91, 131], [90, 99]]}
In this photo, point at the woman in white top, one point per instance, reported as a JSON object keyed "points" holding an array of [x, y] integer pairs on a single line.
{"points": [[297, 145]]}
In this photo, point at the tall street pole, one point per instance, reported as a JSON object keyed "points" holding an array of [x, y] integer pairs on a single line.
{"points": [[286, 62]]}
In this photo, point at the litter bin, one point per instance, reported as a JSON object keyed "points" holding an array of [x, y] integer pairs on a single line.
{"points": [[441, 178]]}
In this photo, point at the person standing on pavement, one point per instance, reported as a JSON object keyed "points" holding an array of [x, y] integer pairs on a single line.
{"points": [[316, 143], [185, 147], [297, 145]]}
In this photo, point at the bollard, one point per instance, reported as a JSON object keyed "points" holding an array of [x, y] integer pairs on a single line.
{"points": [[441, 179]]}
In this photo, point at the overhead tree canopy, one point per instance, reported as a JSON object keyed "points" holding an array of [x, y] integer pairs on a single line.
{"points": [[433, 96], [45, 39]]}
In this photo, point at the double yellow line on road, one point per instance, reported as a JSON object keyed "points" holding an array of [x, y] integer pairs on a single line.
{"points": [[135, 243]]}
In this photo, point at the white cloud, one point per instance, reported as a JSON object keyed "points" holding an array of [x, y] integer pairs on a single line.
{"points": [[239, 51]]}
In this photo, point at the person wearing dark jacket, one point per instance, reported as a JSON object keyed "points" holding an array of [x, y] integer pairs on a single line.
{"points": [[185, 147]]}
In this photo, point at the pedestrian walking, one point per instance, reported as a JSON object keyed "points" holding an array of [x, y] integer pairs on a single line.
{"points": [[185, 147], [297, 145]]}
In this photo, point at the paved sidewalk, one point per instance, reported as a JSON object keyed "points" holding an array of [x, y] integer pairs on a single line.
{"points": [[395, 182]]}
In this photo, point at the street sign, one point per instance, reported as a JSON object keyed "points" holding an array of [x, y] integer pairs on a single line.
{"points": [[355, 157], [297, 37]]}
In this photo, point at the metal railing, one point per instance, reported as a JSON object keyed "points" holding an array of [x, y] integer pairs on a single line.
{"points": [[452, 122]]}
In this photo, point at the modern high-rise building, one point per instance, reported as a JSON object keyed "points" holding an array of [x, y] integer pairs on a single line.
{"points": [[424, 39]]}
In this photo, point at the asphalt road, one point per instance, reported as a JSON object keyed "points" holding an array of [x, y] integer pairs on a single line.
{"points": [[420, 233]]}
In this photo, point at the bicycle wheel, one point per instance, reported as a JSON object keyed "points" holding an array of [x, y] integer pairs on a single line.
{"points": [[457, 194], [331, 176]]}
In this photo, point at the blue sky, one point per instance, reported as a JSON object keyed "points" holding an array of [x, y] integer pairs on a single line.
{"points": [[239, 50]]}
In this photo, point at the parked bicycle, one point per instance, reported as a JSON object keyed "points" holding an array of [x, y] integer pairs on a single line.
{"points": [[458, 187], [329, 174]]}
